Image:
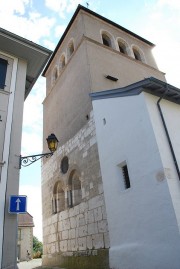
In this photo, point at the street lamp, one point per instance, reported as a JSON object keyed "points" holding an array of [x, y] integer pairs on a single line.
{"points": [[52, 142]]}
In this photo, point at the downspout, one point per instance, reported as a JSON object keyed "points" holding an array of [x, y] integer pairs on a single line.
{"points": [[167, 134]]}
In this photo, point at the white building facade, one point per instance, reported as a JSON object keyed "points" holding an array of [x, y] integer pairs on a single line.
{"points": [[21, 62], [139, 171], [25, 236]]}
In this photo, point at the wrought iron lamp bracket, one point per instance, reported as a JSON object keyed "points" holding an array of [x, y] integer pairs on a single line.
{"points": [[28, 160]]}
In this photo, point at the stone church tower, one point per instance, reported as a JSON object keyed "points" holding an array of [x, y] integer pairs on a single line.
{"points": [[93, 55]]}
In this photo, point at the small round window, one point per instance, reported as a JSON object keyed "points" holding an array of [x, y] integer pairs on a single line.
{"points": [[64, 165]]}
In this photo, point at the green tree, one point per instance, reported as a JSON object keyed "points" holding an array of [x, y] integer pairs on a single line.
{"points": [[37, 247]]}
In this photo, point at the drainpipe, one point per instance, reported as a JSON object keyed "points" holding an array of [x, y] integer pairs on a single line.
{"points": [[167, 134]]}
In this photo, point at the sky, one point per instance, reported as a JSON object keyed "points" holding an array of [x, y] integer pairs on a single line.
{"points": [[44, 21]]}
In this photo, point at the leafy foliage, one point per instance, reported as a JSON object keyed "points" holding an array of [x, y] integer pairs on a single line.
{"points": [[37, 247]]}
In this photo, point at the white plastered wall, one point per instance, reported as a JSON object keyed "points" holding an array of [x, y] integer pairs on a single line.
{"points": [[142, 223]]}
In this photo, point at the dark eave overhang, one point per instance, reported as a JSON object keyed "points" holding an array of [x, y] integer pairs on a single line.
{"points": [[151, 85], [35, 55], [80, 7]]}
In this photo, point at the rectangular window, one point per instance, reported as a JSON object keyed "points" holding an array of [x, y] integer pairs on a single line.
{"points": [[123, 175], [127, 183], [3, 70], [70, 202]]}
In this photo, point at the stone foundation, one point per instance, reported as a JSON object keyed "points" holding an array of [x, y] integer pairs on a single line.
{"points": [[75, 232], [96, 259]]}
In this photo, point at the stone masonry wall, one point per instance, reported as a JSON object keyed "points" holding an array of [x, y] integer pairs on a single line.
{"points": [[82, 229]]}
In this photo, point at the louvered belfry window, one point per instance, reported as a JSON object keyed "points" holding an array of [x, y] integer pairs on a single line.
{"points": [[127, 183], [3, 70]]}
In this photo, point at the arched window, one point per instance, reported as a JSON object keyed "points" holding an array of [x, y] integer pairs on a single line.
{"points": [[62, 62], [58, 200], [123, 48], [75, 192], [106, 40], [54, 75], [138, 55], [70, 48]]}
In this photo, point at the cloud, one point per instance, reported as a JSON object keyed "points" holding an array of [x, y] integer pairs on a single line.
{"points": [[73, 5], [49, 44], [58, 6], [20, 18], [59, 30], [17, 6], [173, 4], [63, 6]]}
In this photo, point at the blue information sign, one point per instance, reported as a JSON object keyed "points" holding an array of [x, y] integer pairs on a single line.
{"points": [[17, 204]]}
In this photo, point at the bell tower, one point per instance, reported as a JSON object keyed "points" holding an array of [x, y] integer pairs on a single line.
{"points": [[94, 54]]}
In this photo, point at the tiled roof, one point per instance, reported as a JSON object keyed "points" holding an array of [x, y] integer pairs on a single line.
{"points": [[25, 220]]}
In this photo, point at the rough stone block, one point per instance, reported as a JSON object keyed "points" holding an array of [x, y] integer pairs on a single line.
{"points": [[95, 202], [73, 222], [53, 248], [102, 226], [57, 247], [77, 232], [72, 233], [98, 214], [49, 221], [74, 211], [87, 132], [49, 239], [100, 188], [53, 228], [80, 220], [83, 192], [53, 237], [46, 231], [66, 224], [98, 241], [83, 231], [106, 240], [63, 215], [63, 245], [93, 141], [54, 218], [60, 226], [104, 212], [73, 245], [90, 216], [92, 228], [82, 243], [69, 245], [65, 235], [89, 242], [83, 207]]}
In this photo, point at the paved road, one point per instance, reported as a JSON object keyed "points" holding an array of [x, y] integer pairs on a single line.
{"points": [[36, 263]]}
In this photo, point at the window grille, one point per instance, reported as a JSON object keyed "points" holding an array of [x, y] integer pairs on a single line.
{"points": [[126, 178]]}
